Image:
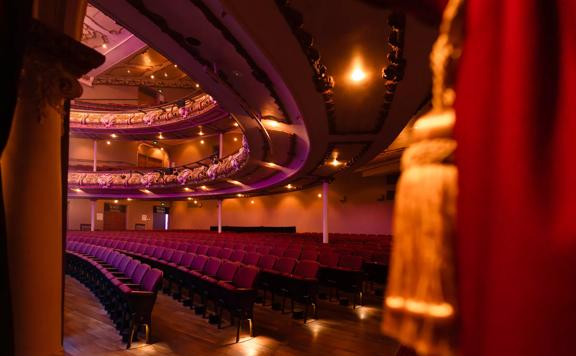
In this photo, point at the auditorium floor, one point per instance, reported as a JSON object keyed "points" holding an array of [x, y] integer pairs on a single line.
{"points": [[177, 331]]}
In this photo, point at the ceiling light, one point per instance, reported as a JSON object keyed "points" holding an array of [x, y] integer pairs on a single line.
{"points": [[104, 46], [175, 65], [113, 135], [187, 189], [273, 123], [235, 139], [203, 187], [197, 85], [115, 201], [235, 182], [129, 199], [195, 201], [161, 148], [239, 195], [202, 141], [251, 201], [146, 191], [155, 142], [289, 186], [319, 195], [108, 142], [189, 198], [160, 136], [335, 162], [165, 75], [78, 190], [271, 164], [152, 76], [236, 124], [357, 75]]}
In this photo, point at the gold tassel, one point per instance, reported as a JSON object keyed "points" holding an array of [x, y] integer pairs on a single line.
{"points": [[420, 307]]}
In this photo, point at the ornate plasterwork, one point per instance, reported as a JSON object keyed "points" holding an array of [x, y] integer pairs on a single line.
{"points": [[162, 178], [154, 117]]}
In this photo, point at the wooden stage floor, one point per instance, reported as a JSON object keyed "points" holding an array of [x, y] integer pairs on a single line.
{"points": [[177, 331]]}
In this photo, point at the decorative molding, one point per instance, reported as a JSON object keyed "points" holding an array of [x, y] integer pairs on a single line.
{"points": [[164, 177], [154, 83], [185, 109]]}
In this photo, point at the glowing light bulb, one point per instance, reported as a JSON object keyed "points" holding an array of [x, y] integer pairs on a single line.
{"points": [[113, 135], [115, 201], [236, 124], [108, 142], [251, 201], [152, 76], [104, 46], [319, 195], [202, 142], [189, 198], [357, 75], [289, 186], [203, 187]]}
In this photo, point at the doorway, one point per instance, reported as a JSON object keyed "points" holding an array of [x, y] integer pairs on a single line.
{"points": [[160, 218], [114, 217]]}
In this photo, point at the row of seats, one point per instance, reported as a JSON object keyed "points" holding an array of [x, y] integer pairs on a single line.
{"points": [[348, 243], [126, 287], [339, 272], [197, 273]]}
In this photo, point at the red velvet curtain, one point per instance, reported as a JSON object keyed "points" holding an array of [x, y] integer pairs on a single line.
{"points": [[516, 131]]}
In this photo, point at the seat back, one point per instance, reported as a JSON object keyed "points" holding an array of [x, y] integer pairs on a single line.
{"points": [[167, 255], [187, 259], [201, 250], [285, 265], [227, 271], [236, 256], [158, 252], [176, 257], [131, 267], [152, 280], [251, 258], [309, 255], [212, 266], [225, 253], [329, 259], [213, 251], [267, 261], [150, 250], [199, 262], [139, 273], [245, 277], [307, 269]]}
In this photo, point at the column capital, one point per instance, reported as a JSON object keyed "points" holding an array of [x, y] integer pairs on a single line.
{"points": [[53, 62]]}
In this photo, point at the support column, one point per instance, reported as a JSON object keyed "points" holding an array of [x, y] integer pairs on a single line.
{"points": [[219, 201], [221, 145], [92, 214], [325, 212], [32, 185], [95, 155]]}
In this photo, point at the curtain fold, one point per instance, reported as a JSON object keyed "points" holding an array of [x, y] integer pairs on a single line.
{"points": [[15, 18], [517, 204]]}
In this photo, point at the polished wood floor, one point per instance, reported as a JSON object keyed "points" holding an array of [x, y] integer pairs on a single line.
{"points": [[177, 331]]}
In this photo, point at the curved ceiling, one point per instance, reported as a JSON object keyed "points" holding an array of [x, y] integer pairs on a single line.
{"points": [[308, 81]]}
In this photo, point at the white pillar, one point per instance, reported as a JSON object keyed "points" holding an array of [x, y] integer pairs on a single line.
{"points": [[92, 214], [325, 212], [94, 154], [219, 201], [221, 145]]}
